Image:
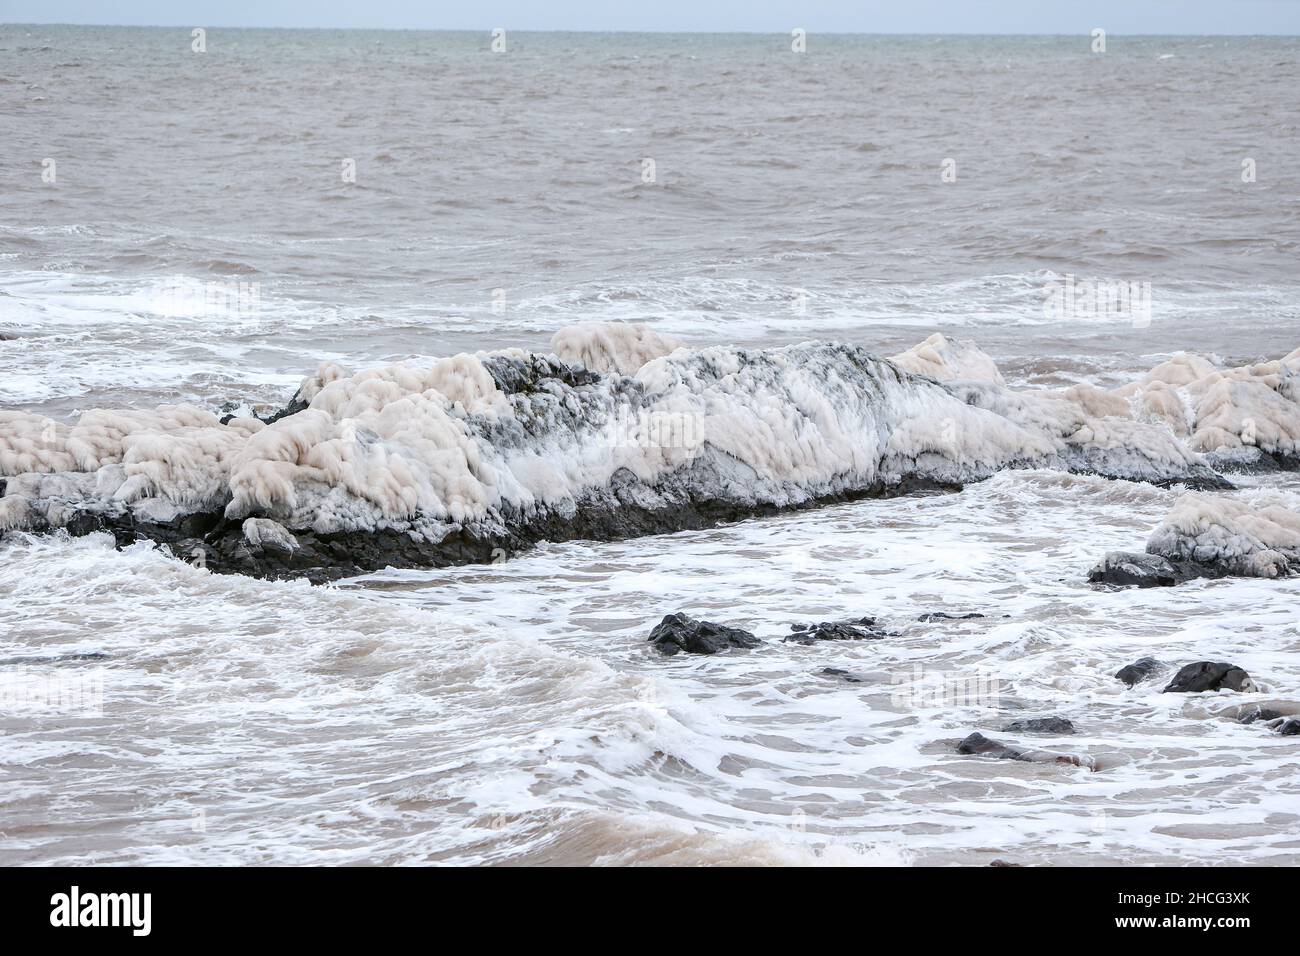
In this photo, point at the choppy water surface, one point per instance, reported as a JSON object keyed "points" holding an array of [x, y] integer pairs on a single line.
{"points": [[514, 713]]}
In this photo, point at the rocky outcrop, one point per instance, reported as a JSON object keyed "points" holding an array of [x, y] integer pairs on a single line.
{"points": [[474, 457], [677, 633]]}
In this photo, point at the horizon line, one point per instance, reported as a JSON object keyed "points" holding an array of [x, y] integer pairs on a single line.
{"points": [[488, 30]]}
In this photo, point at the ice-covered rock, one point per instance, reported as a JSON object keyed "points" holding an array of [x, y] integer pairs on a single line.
{"points": [[945, 360], [1230, 536], [622, 432], [621, 347]]}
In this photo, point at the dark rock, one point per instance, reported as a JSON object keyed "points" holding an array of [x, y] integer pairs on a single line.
{"points": [[55, 659], [1138, 671], [1251, 460], [1289, 727], [1207, 675], [1039, 725], [980, 746], [863, 629], [1000, 862], [1129, 569], [677, 632], [613, 515], [846, 676], [929, 616]]}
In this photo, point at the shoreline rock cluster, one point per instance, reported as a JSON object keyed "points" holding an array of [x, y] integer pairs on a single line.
{"points": [[680, 633]]}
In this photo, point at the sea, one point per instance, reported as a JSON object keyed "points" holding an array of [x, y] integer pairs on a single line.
{"points": [[205, 215]]}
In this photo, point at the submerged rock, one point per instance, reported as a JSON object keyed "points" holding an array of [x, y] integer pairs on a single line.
{"points": [[70, 658], [980, 746], [1208, 675], [677, 633], [1265, 714], [929, 616], [1139, 670], [847, 676], [863, 629], [1039, 725]]}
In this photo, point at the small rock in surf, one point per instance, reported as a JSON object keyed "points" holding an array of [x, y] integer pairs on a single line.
{"points": [[863, 629], [1129, 569], [1040, 725], [980, 746], [678, 632], [1138, 671], [1208, 675]]}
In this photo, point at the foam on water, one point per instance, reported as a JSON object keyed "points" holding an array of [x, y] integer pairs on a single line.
{"points": [[514, 712], [874, 760]]}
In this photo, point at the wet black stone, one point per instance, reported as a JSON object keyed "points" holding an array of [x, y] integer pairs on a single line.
{"points": [[1138, 671], [863, 629], [846, 676], [979, 745], [929, 616], [677, 633], [1289, 727], [1206, 676], [1040, 725], [1130, 569]]}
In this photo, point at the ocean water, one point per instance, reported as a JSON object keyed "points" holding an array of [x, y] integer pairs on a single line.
{"points": [[199, 242]]}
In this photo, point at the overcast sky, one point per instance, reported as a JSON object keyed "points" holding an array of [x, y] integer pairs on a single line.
{"points": [[857, 16]]}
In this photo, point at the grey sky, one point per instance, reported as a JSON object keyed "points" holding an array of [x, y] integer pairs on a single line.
{"points": [[863, 16]]}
